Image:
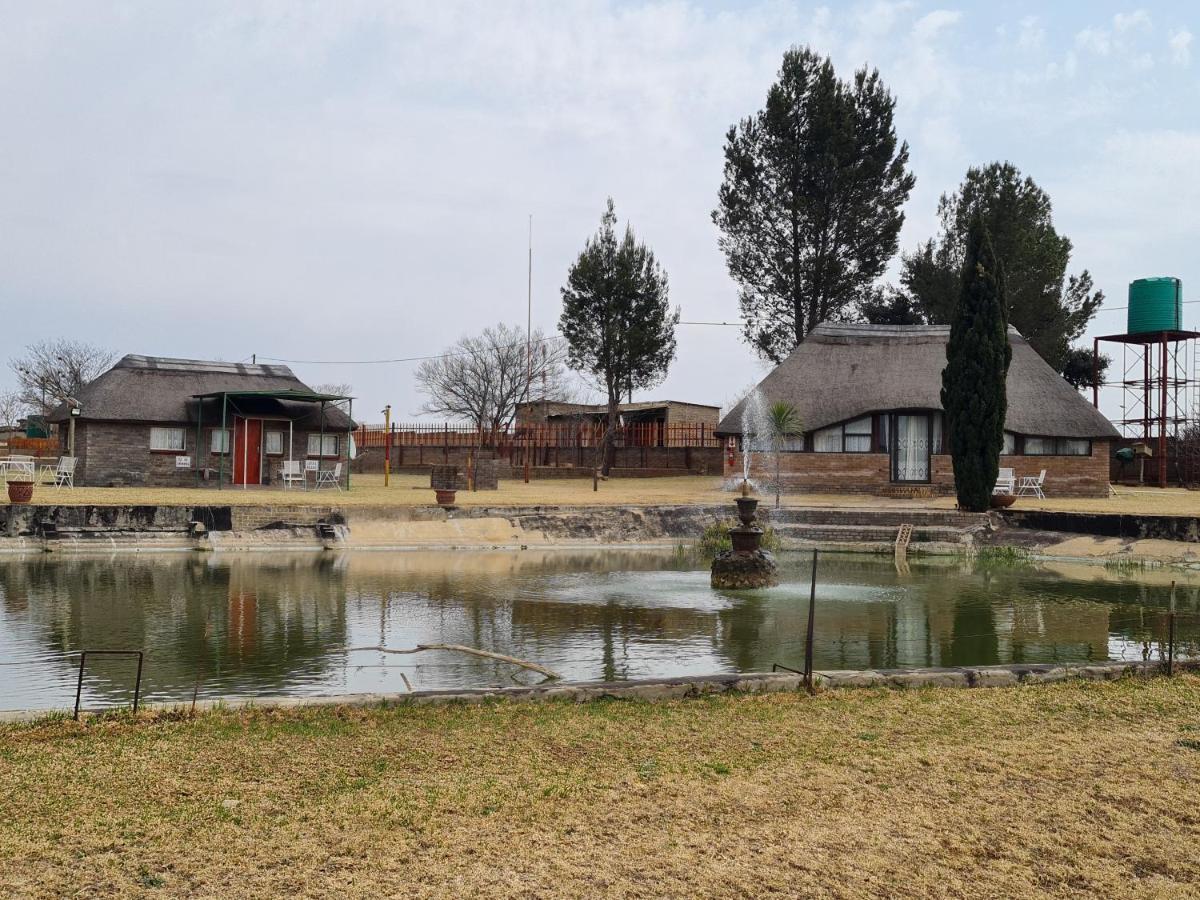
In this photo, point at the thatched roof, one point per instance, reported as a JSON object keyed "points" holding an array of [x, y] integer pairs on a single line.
{"points": [[163, 390], [841, 372]]}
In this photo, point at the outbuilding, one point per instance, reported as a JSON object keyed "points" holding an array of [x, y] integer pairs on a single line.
{"points": [[869, 401], [153, 420]]}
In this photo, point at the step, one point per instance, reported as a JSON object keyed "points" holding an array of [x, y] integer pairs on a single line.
{"points": [[868, 533], [892, 518]]}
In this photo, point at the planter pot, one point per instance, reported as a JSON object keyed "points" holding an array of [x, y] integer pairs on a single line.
{"points": [[20, 491], [445, 498], [1002, 501]]}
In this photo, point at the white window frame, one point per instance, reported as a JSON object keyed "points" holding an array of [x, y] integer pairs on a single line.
{"points": [[314, 447], [214, 445], [267, 437], [168, 440]]}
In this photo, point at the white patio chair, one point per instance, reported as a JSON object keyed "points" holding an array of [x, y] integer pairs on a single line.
{"points": [[24, 466], [1032, 485], [292, 472], [330, 477], [1006, 482], [62, 474]]}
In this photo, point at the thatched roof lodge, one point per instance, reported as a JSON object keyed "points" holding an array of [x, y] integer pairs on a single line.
{"points": [[181, 422], [869, 399]]}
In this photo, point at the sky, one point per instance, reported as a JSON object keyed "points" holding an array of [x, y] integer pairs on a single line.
{"points": [[352, 181]]}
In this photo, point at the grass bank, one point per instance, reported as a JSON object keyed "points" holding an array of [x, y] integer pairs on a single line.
{"points": [[1077, 789]]}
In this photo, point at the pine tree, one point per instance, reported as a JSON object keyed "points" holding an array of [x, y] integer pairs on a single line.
{"points": [[812, 201], [617, 320], [973, 382]]}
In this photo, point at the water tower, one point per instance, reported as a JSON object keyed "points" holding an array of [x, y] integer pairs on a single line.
{"points": [[1158, 373]]}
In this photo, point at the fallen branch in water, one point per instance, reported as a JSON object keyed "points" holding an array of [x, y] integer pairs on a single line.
{"points": [[461, 648]]}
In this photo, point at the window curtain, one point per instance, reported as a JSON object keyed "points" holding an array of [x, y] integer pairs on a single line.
{"points": [[858, 435], [1010, 444], [828, 440], [912, 448], [937, 433]]}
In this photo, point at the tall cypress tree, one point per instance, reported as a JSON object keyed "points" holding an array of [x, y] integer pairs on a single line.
{"points": [[977, 358]]}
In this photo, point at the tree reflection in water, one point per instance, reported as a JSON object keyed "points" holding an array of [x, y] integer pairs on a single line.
{"points": [[273, 624]]}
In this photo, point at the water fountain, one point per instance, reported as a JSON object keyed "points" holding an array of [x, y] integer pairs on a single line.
{"points": [[747, 565]]}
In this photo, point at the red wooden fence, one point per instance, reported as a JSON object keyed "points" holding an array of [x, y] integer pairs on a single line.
{"points": [[586, 434]]}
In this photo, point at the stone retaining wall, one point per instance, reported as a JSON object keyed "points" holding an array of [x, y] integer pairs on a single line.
{"points": [[702, 685]]}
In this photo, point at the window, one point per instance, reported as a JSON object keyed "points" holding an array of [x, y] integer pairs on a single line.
{"points": [[1010, 444], [828, 440], [166, 439], [274, 443], [219, 440], [849, 437], [1048, 446], [329, 448], [858, 435], [935, 427]]}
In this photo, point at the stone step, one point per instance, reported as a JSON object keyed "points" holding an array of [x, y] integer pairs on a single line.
{"points": [[867, 533], [892, 518]]}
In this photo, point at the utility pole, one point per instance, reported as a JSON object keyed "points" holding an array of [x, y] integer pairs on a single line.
{"points": [[387, 446], [528, 337]]}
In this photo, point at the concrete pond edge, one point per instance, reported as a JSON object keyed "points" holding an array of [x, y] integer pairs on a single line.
{"points": [[685, 687]]}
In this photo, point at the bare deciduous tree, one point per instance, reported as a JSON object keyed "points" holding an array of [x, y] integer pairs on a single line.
{"points": [[52, 370], [11, 408], [481, 379]]}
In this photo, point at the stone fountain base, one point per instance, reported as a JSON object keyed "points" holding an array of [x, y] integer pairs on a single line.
{"points": [[747, 565], [733, 570]]}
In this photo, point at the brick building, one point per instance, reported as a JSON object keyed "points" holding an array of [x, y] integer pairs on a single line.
{"points": [[650, 421], [869, 400], [184, 422]]}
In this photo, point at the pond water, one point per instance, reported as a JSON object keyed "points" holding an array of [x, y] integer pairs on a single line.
{"points": [[271, 624]]}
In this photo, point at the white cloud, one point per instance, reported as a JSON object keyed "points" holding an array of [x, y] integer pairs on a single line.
{"points": [[1032, 35], [927, 27], [1097, 40], [1180, 43], [1138, 19]]}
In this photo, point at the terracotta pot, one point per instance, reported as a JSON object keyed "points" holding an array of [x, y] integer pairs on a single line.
{"points": [[445, 498], [20, 491], [1001, 501]]}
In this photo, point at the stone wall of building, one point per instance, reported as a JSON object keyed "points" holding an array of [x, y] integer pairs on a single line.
{"points": [[870, 473], [119, 453]]}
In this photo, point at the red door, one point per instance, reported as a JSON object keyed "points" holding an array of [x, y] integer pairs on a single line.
{"points": [[247, 451]]}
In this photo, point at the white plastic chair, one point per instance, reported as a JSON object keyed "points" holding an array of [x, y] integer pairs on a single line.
{"points": [[62, 474], [1006, 482], [291, 472], [1032, 485], [330, 477]]}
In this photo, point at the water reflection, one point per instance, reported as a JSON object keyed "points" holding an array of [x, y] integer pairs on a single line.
{"points": [[228, 625]]}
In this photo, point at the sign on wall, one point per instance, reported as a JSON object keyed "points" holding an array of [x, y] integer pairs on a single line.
{"points": [[183, 462]]}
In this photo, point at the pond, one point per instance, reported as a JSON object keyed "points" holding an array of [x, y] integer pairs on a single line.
{"points": [[271, 624]]}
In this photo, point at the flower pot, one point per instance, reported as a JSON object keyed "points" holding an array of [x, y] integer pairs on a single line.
{"points": [[20, 491], [445, 498], [1001, 501]]}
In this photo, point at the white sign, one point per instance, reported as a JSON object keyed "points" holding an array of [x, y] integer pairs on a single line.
{"points": [[183, 462], [312, 465]]}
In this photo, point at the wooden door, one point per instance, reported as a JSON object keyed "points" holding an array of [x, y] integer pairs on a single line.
{"points": [[247, 451]]}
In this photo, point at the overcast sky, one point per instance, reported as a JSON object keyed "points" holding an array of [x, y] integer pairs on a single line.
{"points": [[352, 180]]}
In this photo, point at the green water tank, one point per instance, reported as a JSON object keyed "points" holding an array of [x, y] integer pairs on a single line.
{"points": [[1155, 304]]}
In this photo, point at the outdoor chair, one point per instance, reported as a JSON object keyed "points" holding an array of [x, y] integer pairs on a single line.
{"points": [[292, 472], [62, 474], [20, 466], [330, 477], [1006, 482], [1032, 485]]}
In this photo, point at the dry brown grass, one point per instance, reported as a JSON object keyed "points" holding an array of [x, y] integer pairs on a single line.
{"points": [[413, 490], [1080, 790]]}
